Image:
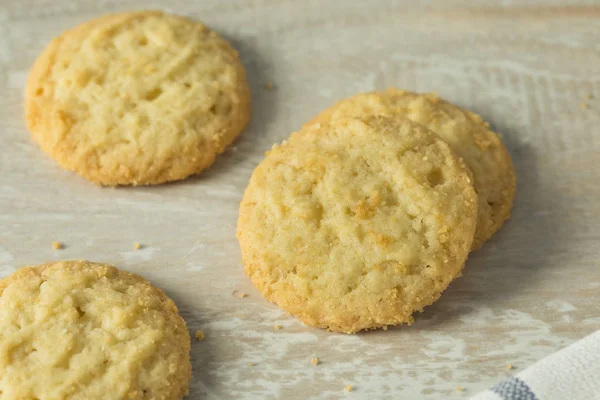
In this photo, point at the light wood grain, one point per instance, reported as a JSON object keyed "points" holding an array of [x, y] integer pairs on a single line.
{"points": [[534, 288]]}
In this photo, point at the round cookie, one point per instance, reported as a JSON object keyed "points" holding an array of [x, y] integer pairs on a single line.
{"points": [[466, 133], [350, 233], [137, 98], [81, 330]]}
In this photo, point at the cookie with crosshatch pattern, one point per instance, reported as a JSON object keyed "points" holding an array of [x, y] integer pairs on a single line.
{"points": [[83, 330], [137, 98], [356, 224]]}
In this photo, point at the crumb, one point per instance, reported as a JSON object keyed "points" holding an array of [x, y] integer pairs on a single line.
{"points": [[583, 105], [57, 245], [269, 85], [459, 389], [199, 335], [348, 388], [250, 364], [509, 366], [588, 97], [276, 326], [137, 246], [242, 295], [314, 361]]}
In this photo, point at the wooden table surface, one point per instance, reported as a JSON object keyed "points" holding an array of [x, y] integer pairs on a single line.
{"points": [[534, 288]]}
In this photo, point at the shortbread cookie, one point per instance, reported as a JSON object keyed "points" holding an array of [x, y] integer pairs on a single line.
{"points": [[349, 233], [137, 98], [466, 133], [81, 330]]}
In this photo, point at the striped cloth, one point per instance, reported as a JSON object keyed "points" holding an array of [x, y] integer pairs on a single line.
{"points": [[572, 373]]}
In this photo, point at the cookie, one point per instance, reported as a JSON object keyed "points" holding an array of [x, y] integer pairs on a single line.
{"points": [[350, 233], [137, 98], [82, 330], [466, 133]]}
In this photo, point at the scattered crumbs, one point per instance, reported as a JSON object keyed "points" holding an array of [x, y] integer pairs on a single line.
{"points": [[348, 388], [509, 366], [137, 246], [242, 295], [314, 361], [269, 85], [250, 364], [57, 245], [459, 389], [199, 335], [278, 327]]}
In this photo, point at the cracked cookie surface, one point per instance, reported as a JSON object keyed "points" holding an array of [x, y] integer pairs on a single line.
{"points": [[82, 330], [137, 98], [350, 233], [466, 133]]}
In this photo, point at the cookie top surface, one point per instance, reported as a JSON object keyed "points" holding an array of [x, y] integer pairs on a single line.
{"points": [[80, 330], [351, 233], [466, 133], [137, 98]]}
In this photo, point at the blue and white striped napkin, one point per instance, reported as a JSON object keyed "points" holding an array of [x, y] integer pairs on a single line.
{"points": [[572, 373]]}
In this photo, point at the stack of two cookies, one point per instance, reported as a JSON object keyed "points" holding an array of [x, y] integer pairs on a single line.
{"points": [[368, 213]]}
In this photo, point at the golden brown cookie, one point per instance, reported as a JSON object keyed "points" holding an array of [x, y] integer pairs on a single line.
{"points": [[83, 330], [137, 98], [349, 233], [466, 133]]}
